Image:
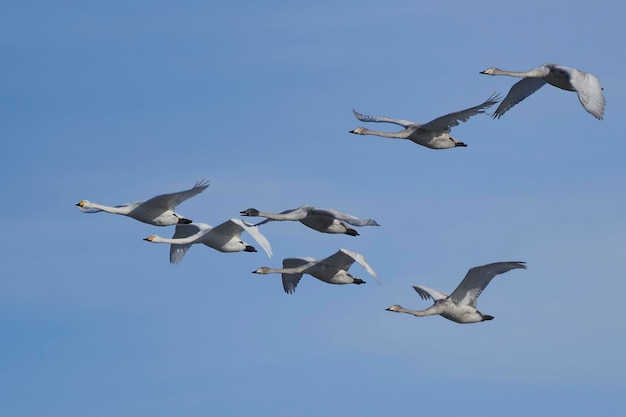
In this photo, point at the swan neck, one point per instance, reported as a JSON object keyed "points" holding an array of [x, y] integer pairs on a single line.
{"points": [[403, 134], [109, 209], [178, 241], [418, 313], [272, 216], [518, 74]]}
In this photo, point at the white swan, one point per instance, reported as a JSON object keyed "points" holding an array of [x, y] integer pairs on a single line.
{"points": [[586, 85], [225, 237], [322, 220], [460, 306], [332, 270], [434, 134], [158, 211]]}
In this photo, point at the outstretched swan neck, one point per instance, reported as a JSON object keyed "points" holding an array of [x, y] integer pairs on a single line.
{"points": [[109, 209], [181, 241], [535, 73], [257, 213], [418, 313], [403, 134], [267, 270]]}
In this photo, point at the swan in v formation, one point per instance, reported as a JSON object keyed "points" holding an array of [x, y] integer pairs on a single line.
{"points": [[320, 219], [225, 237], [332, 270], [460, 306], [158, 211], [586, 85], [434, 134]]}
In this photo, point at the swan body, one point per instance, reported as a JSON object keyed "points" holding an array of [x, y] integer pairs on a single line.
{"points": [[225, 237], [460, 306], [332, 270], [586, 85], [158, 211], [322, 220], [434, 134]]}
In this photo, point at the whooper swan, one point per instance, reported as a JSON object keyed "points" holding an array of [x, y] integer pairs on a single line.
{"points": [[332, 270], [586, 85], [225, 237], [460, 306], [158, 211], [322, 220], [434, 134]]}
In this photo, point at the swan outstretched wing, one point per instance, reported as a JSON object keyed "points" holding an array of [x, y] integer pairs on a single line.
{"points": [[517, 93], [291, 280], [382, 119], [177, 252], [589, 92], [348, 218], [234, 228], [343, 259], [171, 200], [425, 293], [256, 235], [445, 123], [477, 279]]}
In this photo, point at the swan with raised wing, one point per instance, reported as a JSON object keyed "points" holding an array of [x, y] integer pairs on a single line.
{"points": [[320, 219], [225, 237], [434, 134], [332, 270], [460, 306], [586, 85], [157, 211]]}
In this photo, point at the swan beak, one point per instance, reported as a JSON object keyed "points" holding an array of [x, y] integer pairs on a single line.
{"points": [[149, 239], [388, 309], [482, 72], [460, 144], [250, 248], [80, 204], [352, 131]]}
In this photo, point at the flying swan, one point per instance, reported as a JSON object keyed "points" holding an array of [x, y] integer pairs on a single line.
{"points": [[158, 211], [460, 306], [320, 219], [225, 237], [586, 85], [332, 270], [434, 134]]}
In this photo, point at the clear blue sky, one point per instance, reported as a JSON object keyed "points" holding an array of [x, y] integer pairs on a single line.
{"points": [[120, 101]]}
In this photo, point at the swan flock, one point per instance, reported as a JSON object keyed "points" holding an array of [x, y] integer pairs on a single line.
{"points": [[460, 306]]}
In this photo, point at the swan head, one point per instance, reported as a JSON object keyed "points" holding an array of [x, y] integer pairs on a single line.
{"points": [[151, 238], [262, 270], [359, 131], [82, 203], [249, 248], [250, 212], [490, 71], [396, 308]]}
